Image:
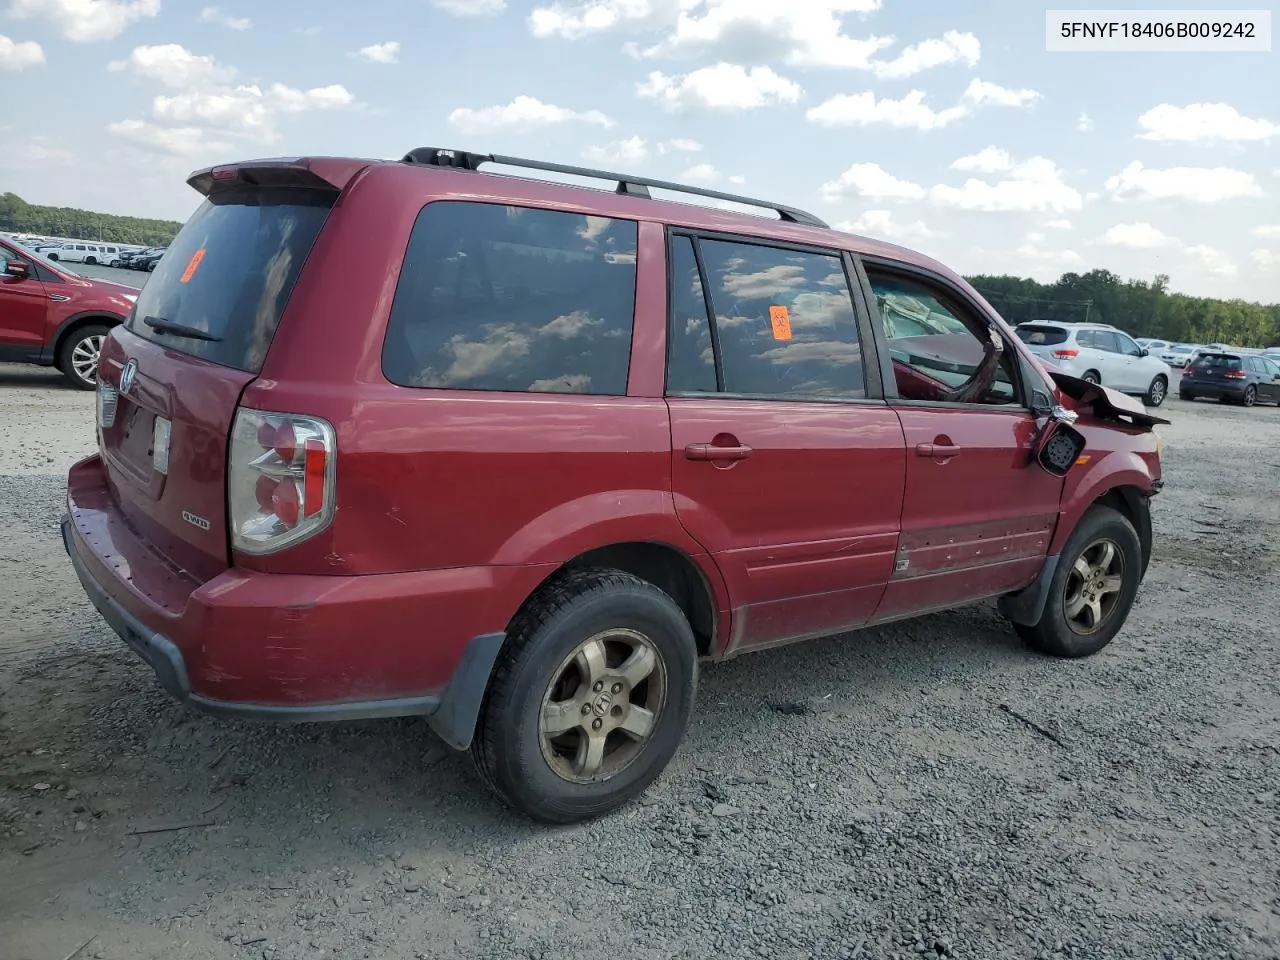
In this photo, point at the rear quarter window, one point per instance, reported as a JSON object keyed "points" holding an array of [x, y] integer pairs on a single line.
{"points": [[510, 298], [1041, 336]]}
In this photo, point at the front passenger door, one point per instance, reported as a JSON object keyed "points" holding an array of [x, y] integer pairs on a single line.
{"points": [[978, 513]]}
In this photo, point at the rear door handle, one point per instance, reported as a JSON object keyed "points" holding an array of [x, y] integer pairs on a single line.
{"points": [[938, 451], [709, 451]]}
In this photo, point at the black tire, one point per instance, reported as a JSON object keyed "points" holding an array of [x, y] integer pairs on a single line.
{"points": [[1157, 392], [1250, 396], [1092, 376], [1054, 635], [53, 257], [91, 261], [72, 353], [576, 606]]}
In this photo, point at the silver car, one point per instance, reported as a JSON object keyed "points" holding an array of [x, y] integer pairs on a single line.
{"points": [[1100, 354]]}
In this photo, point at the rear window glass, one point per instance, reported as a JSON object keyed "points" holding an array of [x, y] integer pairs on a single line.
{"points": [[1217, 361], [495, 297], [1041, 336], [229, 273]]}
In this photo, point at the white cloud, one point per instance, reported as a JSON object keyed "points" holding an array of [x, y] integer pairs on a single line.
{"points": [[987, 160], [701, 173], [881, 223], [219, 16], [1266, 258], [1032, 185], [86, 21], [1215, 262], [1058, 224], [247, 110], [522, 113], [725, 86], [388, 52], [980, 92], [737, 179], [173, 65], [681, 145], [872, 181], [1204, 122], [1042, 264], [951, 48], [632, 151], [1084, 123], [18, 55], [863, 109], [471, 8], [807, 33], [1142, 236], [573, 21], [1200, 184], [179, 141], [1268, 231]]}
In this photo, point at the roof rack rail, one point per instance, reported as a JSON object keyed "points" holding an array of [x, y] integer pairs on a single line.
{"points": [[626, 183]]}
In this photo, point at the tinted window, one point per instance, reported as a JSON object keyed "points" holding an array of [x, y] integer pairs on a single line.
{"points": [[1041, 336], [230, 272], [498, 297], [784, 321], [1106, 340], [691, 365], [1217, 361], [939, 353], [1127, 346]]}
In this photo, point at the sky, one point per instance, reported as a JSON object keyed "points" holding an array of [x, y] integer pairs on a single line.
{"points": [[943, 126]]}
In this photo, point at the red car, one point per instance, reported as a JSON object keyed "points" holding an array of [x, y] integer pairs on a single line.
{"points": [[52, 316], [406, 438]]}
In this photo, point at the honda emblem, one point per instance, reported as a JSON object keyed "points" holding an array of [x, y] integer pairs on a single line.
{"points": [[128, 375]]}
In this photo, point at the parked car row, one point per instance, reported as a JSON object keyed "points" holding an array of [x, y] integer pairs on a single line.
{"points": [[83, 251], [145, 259]]}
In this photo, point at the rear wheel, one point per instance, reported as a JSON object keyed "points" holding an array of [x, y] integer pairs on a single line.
{"points": [[53, 257], [78, 356], [91, 261], [1158, 390], [1093, 588], [590, 698], [1091, 376], [1250, 396]]}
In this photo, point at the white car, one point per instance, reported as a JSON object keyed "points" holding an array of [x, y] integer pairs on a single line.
{"points": [[1179, 354], [1100, 354]]}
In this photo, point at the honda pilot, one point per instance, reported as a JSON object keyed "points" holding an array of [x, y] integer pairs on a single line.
{"points": [[386, 438]]}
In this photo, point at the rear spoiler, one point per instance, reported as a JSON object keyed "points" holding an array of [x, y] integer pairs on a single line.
{"points": [[1105, 403], [325, 173]]}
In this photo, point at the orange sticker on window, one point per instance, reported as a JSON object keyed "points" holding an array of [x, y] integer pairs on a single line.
{"points": [[780, 319], [194, 262]]}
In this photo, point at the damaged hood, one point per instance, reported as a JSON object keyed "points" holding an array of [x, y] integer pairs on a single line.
{"points": [[1103, 402]]}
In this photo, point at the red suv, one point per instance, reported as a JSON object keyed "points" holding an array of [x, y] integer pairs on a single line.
{"points": [[52, 316], [403, 437]]}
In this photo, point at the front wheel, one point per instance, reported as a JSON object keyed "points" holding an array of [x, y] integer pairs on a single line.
{"points": [[1093, 587], [1156, 393], [91, 261], [78, 357], [590, 697]]}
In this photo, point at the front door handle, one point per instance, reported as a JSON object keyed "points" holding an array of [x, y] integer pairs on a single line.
{"points": [[937, 451], [709, 451]]}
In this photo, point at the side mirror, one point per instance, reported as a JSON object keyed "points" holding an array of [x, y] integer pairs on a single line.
{"points": [[1144, 352], [1059, 444], [17, 268]]}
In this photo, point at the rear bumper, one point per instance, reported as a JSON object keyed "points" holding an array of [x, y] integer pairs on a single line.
{"points": [[1215, 391], [296, 648]]}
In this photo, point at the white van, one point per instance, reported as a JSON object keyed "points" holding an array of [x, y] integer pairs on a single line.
{"points": [[91, 253]]}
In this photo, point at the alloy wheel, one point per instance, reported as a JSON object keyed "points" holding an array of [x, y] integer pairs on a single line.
{"points": [[1093, 587], [602, 706], [84, 358]]}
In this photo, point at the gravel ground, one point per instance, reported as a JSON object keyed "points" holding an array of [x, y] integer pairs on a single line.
{"points": [[925, 789]]}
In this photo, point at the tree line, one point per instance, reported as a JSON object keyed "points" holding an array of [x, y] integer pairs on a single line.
{"points": [[18, 216], [1139, 307]]}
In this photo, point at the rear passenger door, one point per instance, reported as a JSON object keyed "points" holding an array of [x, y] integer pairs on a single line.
{"points": [[787, 465]]}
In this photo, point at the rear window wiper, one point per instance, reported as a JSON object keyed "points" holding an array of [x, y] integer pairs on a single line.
{"points": [[161, 325]]}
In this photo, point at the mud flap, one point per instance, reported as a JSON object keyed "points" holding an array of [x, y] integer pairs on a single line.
{"points": [[1027, 605]]}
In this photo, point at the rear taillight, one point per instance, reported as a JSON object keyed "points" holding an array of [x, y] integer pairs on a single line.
{"points": [[108, 400], [281, 479], [1235, 374], [1066, 353]]}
